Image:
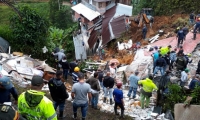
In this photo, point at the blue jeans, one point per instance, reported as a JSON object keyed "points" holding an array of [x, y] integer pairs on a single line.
{"points": [[84, 108], [108, 91], [157, 68], [134, 90], [101, 84], [144, 35], [60, 104], [65, 73], [94, 101], [192, 21]]}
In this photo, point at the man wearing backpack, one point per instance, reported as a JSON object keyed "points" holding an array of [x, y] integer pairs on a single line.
{"points": [[58, 92], [181, 62]]}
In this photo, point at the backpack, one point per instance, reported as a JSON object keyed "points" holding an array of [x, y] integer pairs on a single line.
{"points": [[9, 113]]}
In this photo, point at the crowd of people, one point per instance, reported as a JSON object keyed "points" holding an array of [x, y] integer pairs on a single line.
{"points": [[34, 105]]}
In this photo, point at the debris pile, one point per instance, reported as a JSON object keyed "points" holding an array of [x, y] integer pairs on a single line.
{"points": [[22, 68]]}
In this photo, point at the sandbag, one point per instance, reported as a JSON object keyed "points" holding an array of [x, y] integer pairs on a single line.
{"points": [[17, 54]]}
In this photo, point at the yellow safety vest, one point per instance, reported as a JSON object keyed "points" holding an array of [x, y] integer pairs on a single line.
{"points": [[43, 111]]}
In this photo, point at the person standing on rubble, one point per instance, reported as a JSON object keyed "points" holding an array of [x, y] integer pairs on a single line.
{"points": [[75, 75], [100, 77], [180, 36], [181, 62], [155, 56], [173, 58], [59, 55], [165, 50], [7, 88], [146, 91], [108, 83], [118, 98], [58, 93], [112, 70], [133, 81], [33, 105], [65, 66], [198, 68], [192, 17], [144, 31], [194, 82], [167, 59], [72, 65], [115, 61], [185, 31], [184, 77], [80, 92], [95, 88], [151, 21], [160, 64]]}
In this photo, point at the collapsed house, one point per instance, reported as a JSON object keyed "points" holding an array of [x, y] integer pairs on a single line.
{"points": [[99, 24]]}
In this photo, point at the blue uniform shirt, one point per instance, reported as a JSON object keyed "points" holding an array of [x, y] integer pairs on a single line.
{"points": [[118, 95]]}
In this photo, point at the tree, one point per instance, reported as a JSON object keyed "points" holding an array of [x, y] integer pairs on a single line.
{"points": [[29, 32], [60, 16]]}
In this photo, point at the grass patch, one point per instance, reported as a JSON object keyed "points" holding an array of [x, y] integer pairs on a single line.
{"points": [[5, 13]]}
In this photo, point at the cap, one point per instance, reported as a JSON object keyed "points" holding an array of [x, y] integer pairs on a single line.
{"points": [[119, 85], [189, 55], [169, 46], [187, 70], [5, 82], [37, 80], [76, 69], [156, 47]]}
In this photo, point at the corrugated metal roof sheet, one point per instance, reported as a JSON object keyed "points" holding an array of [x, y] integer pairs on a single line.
{"points": [[122, 9], [105, 31], [85, 11], [118, 26], [93, 38]]}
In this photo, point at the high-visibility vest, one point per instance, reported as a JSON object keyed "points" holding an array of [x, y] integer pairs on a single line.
{"points": [[43, 111]]}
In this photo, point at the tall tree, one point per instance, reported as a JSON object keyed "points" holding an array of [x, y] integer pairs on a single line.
{"points": [[29, 32]]}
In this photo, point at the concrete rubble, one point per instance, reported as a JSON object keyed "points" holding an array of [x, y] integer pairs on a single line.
{"points": [[21, 68]]}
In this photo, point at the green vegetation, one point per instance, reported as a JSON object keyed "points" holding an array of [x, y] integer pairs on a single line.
{"points": [[178, 95], [33, 31], [167, 7]]}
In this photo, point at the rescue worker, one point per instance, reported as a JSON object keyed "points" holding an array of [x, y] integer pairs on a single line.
{"points": [[146, 91], [198, 68], [144, 32], [75, 75], [33, 105], [191, 17], [181, 62], [172, 59], [165, 50], [180, 36]]}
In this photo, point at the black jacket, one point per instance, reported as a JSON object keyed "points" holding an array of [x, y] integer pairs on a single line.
{"points": [[57, 90], [108, 82], [72, 65], [65, 65]]}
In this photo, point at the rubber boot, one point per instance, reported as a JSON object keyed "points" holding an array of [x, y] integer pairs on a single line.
{"points": [[116, 112], [104, 99], [75, 116], [111, 102], [122, 114], [61, 116]]}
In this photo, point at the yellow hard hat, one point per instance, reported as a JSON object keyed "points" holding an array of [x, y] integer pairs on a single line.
{"points": [[189, 55], [76, 69]]}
